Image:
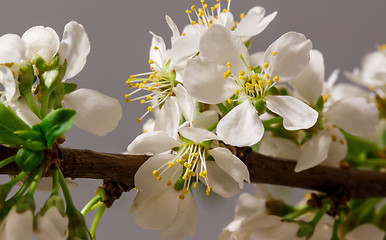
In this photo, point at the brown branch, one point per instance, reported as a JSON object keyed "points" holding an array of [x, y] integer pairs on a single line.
{"points": [[78, 163]]}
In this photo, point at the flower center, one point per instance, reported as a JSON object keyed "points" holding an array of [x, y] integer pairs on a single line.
{"points": [[192, 159]]}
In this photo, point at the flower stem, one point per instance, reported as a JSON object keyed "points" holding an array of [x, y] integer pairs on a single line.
{"points": [[55, 181], [299, 213], [320, 214], [96, 221], [7, 161], [335, 228], [36, 180], [90, 204], [66, 191]]}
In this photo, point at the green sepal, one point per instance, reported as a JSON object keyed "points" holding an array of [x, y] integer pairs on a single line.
{"points": [[56, 124], [28, 160], [26, 78], [67, 88], [273, 91], [305, 229], [248, 44], [25, 203], [319, 104], [283, 91], [260, 105], [54, 201], [77, 225]]}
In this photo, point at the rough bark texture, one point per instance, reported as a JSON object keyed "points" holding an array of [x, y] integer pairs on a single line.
{"points": [[120, 169]]}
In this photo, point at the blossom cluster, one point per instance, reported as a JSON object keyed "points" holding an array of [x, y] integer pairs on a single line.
{"points": [[209, 95]]}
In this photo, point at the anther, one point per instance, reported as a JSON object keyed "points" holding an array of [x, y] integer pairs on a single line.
{"points": [[266, 65], [274, 53], [275, 79], [151, 61], [150, 109]]}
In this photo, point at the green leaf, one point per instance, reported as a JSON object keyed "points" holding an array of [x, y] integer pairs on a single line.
{"points": [[56, 124], [28, 160]]}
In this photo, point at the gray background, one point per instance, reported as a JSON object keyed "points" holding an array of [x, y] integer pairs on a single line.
{"points": [[344, 30]]}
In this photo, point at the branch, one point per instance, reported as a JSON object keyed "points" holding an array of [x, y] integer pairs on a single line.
{"points": [[352, 183]]}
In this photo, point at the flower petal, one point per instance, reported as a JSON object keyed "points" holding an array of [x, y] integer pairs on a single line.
{"points": [[248, 205], [147, 183], [42, 41], [355, 115], [295, 113], [184, 48], [222, 183], [204, 80], [168, 117], [309, 82], [174, 28], [12, 49], [314, 151], [206, 119], [23, 111], [52, 225], [14, 222], [158, 55], [293, 54], [74, 48], [152, 143], [186, 104], [241, 126], [10, 84], [185, 223], [95, 112], [366, 231], [197, 135], [158, 212], [231, 164], [338, 148], [253, 23], [279, 147]]}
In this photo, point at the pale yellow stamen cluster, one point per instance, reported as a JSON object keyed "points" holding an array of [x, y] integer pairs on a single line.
{"points": [[158, 83], [193, 161]]}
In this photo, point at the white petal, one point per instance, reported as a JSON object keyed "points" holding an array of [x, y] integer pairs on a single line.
{"points": [[12, 49], [279, 147], [365, 231], [23, 111], [16, 221], [231, 164], [42, 41], [158, 212], [293, 54], [241, 126], [344, 90], [253, 23], [10, 84], [204, 80], [222, 45], [197, 135], [206, 119], [95, 112], [277, 229], [146, 182], [295, 113], [338, 148], [74, 47], [174, 28], [309, 82], [186, 104], [355, 115], [185, 223], [159, 56], [168, 117], [222, 183], [152, 143], [257, 59], [314, 151], [184, 48], [249, 205], [52, 225]]}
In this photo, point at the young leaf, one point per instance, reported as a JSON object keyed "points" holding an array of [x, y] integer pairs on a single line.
{"points": [[56, 124], [28, 160]]}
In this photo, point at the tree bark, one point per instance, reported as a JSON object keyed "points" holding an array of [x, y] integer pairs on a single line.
{"points": [[352, 183]]}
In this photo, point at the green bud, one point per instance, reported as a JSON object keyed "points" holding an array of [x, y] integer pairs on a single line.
{"points": [[54, 201], [306, 229], [260, 105], [25, 203], [28, 160], [77, 225]]}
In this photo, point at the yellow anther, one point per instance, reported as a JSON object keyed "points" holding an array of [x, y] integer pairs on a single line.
{"points": [[183, 34], [334, 138], [242, 72], [150, 88], [217, 5], [150, 109], [155, 72], [275, 79], [229, 65], [136, 85], [203, 174], [195, 185], [151, 67], [229, 72], [193, 22], [156, 48], [156, 85], [242, 15], [144, 81], [224, 10], [266, 65], [148, 97], [201, 13], [274, 53], [211, 21], [182, 197], [267, 75], [131, 85], [184, 191], [141, 85], [237, 91], [334, 126], [138, 120], [341, 141], [159, 177], [187, 165], [127, 95], [241, 77], [218, 0], [151, 61], [205, 6], [229, 101], [159, 78], [169, 183], [188, 11], [208, 189], [382, 47], [226, 74], [142, 101], [236, 23], [128, 100], [151, 77], [326, 97], [155, 173], [371, 88], [308, 196], [132, 76], [135, 189], [269, 82], [193, 7], [192, 173], [212, 8]]}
